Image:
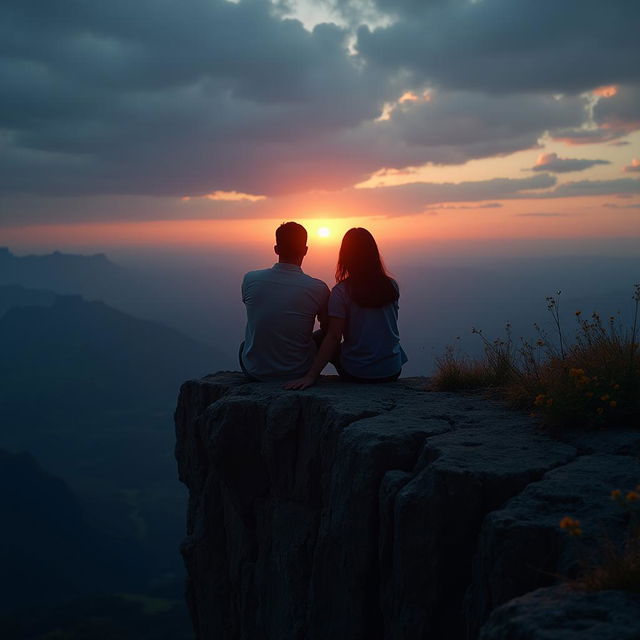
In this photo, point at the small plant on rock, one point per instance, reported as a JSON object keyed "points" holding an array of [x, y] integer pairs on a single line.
{"points": [[592, 381], [619, 565]]}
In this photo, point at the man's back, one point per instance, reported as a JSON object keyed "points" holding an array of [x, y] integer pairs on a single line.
{"points": [[282, 304]]}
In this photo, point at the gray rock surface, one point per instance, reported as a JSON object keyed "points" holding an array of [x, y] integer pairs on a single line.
{"points": [[521, 546], [559, 613], [353, 511]]}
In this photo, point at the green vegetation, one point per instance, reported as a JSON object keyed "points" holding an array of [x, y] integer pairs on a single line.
{"points": [[592, 380]]}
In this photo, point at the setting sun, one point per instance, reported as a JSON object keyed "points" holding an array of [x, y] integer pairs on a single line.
{"points": [[324, 232]]}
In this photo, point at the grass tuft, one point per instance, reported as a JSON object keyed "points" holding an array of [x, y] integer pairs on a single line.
{"points": [[591, 381]]}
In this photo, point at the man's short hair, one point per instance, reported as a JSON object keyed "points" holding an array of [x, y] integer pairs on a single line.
{"points": [[291, 239]]}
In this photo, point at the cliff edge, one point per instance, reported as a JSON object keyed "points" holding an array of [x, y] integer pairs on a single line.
{"points": [[384, 511]]}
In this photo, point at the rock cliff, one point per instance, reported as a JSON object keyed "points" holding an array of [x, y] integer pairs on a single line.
{"points": [[362, 511]]}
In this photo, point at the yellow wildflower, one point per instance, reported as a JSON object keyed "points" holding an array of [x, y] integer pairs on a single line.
{"points": [[616, 494], [633, 496], [571, 526], [539, 399], [605, 397], [613, 404], [576, 372]]}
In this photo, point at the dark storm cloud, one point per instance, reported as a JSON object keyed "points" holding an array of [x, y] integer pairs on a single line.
{"points": [[615, 115], [167, 98], [464, 125], [551, 162], [621, 111], [173, 97], [506, 46]]}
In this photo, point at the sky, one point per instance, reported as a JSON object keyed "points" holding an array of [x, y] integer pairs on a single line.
{"points": [[434, 123]]}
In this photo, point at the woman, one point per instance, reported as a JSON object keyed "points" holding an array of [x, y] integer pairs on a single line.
{"points": [[363, 308]]}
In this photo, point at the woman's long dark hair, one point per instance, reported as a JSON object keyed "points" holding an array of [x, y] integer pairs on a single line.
{"points": [[360, 265]]}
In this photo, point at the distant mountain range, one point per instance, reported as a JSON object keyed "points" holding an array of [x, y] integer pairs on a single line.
{"points": [[58, 271], [89, 391], [86, 354], [188, 300]]}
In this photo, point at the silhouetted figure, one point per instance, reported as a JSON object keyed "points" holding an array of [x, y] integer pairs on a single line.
{"points": [[363, 308], [282, 305]]}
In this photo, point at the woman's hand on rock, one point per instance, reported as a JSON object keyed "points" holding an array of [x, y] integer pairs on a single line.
{"points": [[300, 383]]}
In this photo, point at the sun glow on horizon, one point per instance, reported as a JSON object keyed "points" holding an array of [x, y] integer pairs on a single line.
{"points": [[324, 232]]}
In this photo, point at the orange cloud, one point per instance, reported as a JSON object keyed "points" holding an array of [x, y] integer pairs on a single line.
{"points": [[606, 91], [228, 196], [408, 96], [545, 158]]}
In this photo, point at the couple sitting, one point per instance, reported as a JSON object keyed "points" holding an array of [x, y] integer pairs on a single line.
{"points": [[358, 318]]}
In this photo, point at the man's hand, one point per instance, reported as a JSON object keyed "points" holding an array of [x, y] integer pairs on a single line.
{"points": [[301, 383]]}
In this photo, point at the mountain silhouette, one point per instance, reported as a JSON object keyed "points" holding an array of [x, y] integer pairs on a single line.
{"points": [[89, 391], [62, 272], [84, 354]]}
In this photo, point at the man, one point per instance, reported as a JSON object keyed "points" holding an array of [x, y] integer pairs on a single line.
{"points": [[282, 305]]}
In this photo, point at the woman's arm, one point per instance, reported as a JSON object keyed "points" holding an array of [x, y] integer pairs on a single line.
{"points": [[325, 353]]}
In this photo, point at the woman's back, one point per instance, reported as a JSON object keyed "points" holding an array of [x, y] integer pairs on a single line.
{"points": [[371, 347]]}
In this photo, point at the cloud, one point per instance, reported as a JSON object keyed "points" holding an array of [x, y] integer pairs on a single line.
{"points": [[613, 205], [584, 188], [620, 112], [580, 136], [389, 201], [615, 113], [504, 46], [484, 205], [634, 167], [551, 162], [541, 214], [168, 99], [454, 126]]}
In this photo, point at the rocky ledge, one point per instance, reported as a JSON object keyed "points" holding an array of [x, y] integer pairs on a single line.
{"points": [[386, 511]]}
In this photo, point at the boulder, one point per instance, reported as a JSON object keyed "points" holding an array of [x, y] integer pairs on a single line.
{"points": [[560, 613]]}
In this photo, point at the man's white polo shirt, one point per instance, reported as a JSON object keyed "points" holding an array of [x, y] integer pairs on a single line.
{"points": [[282, 305]]}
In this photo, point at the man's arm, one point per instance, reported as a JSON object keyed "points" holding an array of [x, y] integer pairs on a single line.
{"points": [[325, 353]]}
